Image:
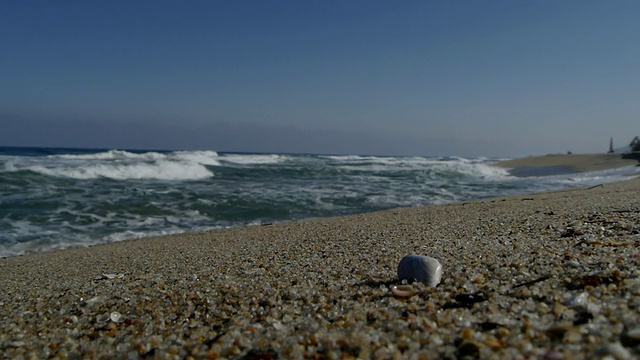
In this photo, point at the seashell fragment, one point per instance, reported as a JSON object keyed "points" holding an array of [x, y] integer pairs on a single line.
{"points": [[404, 291], [424, 269], [103, 318]]}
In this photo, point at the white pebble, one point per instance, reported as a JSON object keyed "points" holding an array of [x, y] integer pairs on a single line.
{"points": [[424, 269], [578, 301], [115, 317]]}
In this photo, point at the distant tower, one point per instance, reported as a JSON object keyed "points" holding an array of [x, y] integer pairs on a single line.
{"points": [[611, 146]]}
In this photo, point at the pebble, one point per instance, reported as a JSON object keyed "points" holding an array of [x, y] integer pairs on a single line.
{"points": [[614, 350], [424, 269], [115, 317]]}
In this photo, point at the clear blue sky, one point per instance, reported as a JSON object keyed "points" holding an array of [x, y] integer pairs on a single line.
{"points": [[468, 78]]}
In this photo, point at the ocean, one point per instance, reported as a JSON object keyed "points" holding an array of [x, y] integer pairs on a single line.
{"points": [[52, 198]]}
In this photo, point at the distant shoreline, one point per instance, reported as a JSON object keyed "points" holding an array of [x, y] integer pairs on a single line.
{"points": [[565, 164]]}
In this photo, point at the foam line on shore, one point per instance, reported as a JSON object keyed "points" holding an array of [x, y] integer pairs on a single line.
{"points": [[562, 164]]}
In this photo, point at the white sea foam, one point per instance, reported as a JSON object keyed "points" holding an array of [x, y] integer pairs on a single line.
{"points": [[479, 167], [111, 155], [204, 157], [200, 157], [251, 159], [158, 170], [592, 178], [121, 165], [476, 169]]}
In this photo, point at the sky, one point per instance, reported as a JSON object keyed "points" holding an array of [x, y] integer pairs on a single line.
{"points": [[427, 78]]}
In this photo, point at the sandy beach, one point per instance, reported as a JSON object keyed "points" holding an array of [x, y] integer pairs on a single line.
{"points": [[550, 275], [564, 163]]}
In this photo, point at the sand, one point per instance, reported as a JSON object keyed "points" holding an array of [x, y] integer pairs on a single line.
{"points": [[558, 164], [552, 275]]}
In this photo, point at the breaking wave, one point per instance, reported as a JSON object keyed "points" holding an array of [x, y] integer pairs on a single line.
{"points": [[58, 198]]}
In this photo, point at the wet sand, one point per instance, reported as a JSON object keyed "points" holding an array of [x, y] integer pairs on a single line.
{"points": [[551, 275], [561, 164]]}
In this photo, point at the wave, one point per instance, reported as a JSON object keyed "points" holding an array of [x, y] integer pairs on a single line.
{"points": [[120, 165], [254, 159], [205, 157], [158, 170], [200, 157], [111, 155], [478, 169], [438, 167], [44, 209]]}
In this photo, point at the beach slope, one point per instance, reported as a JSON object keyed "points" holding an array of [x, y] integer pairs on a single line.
{"points": [[559, 164], [550, 275]]}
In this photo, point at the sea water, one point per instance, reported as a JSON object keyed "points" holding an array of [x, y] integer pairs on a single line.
{"points": [[59, 198]]}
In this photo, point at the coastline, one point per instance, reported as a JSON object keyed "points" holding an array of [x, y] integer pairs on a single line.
{"points": [[551, 274], [557, 164]]}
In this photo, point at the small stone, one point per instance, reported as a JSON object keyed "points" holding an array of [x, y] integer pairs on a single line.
{"points": [[115, 316], [578, 301], [615, 350], [494, 343], [424, 269], [96, 299], [15, 344], [467, 334]]}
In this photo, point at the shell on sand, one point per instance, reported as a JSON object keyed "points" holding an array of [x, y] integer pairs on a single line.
{"points": [[404, 291], [424, 269]]}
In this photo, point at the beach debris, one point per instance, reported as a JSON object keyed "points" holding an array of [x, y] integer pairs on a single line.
{"points": [[424, 269], [404, 291], [14, 344], [594, 280], [103, 318], [542, 278], [108, 276], [96, 299], [466, 300]]}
